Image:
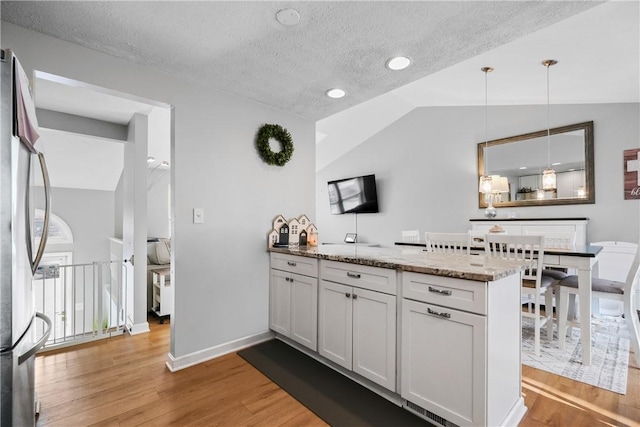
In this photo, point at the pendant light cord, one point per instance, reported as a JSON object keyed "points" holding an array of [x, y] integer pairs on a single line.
{"points": [[486, 126], [548, 123], [486, 71]]}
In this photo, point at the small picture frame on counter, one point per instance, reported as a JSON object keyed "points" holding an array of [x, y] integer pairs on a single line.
{"points": [[350, 238]]}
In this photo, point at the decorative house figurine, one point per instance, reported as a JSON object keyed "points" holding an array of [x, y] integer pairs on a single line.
{"points": [[278, 221], [298, 231], [294, 232], [304, 221], [283, 235], [273, 237]]}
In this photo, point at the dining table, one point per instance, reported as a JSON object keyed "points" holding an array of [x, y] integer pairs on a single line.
{"points": [[584, 260]]}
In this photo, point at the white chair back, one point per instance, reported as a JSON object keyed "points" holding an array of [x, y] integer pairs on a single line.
{"points": [[411, 236], [518, 247], [452, 243], [615, 259]]}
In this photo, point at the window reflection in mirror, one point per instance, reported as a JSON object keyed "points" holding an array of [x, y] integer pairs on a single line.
{"points": [[523, 158]]}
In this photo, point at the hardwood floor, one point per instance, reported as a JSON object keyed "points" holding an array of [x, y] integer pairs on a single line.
{"points": [[123, 381]]}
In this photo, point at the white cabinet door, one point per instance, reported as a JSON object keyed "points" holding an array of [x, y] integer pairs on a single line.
{"points": [[335, 323], [280, 302], [444, 362], [374, 336], [304, 310]]}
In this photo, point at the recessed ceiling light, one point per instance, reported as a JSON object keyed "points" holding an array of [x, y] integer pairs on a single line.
{"points": [[288, 17], [335, 93], [556, 163], [522, 167], [398, 63]]}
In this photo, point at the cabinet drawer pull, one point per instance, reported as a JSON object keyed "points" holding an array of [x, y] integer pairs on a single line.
{"points": [[355, 296], [348, 295], [291, 263], [439, 291], [354, 275], [287, 279], [435, 313]]}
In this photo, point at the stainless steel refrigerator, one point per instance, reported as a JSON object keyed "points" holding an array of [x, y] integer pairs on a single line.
{"points": [[22, 331]]}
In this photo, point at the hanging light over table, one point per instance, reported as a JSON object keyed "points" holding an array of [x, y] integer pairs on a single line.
{"points": [[548, 175], [486, 183]]}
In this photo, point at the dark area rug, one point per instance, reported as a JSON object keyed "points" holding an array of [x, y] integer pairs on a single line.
{"points": [[336, 399]]}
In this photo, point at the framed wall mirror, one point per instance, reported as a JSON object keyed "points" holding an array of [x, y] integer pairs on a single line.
{"points": [[521, 160]]}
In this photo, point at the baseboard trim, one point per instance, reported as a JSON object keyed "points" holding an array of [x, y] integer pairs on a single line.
{"points": [[516, 414], [139, 328], [177, 363]]}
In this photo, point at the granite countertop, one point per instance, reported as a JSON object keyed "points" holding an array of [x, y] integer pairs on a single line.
{"points": [[469, 267]]}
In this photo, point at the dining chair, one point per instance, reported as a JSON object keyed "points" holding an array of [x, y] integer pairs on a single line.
{"points": [[528, 248], [614, 263], [411, 236], [604, 288], [477, 238], [450, 243], [555, 240]]}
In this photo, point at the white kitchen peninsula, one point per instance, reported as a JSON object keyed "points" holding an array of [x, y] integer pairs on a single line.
{"points": [[438, 334]]}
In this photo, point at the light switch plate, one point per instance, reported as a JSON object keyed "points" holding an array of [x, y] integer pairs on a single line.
{"points": [[198, 215]]}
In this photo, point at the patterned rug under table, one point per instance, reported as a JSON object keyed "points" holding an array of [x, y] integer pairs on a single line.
{"points": [[609, 354]]}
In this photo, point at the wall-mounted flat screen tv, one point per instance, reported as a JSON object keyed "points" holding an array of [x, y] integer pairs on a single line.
{"points": [[353, 195]]}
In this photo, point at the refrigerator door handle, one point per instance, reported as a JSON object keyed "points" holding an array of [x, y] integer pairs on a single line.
{"points": [[40, 343], [35, 262]]}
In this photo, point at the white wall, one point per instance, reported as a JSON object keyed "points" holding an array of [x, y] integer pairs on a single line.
{"points": [[426, 167], [89, 214], [221, 266], [158, 224], [118, 208]]}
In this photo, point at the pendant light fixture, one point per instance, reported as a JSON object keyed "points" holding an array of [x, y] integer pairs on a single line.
{"points": [[548, 175], [485, 180]]}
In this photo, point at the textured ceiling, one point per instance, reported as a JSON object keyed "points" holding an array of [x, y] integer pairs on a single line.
{"points": [[239, 47]]}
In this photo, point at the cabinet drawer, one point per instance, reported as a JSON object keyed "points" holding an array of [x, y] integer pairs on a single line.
{"points": [[460, 294], [360, 276], [295, 264]]}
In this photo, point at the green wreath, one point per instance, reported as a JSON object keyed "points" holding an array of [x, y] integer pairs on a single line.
{"points": [[281, 135]]}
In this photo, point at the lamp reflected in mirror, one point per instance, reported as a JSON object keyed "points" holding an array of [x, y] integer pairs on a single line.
{"points": [[499, 185]]}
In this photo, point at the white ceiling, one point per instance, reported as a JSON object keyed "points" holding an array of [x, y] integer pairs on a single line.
{"points": [[69, 96], [598, 53], [239, 47]]}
